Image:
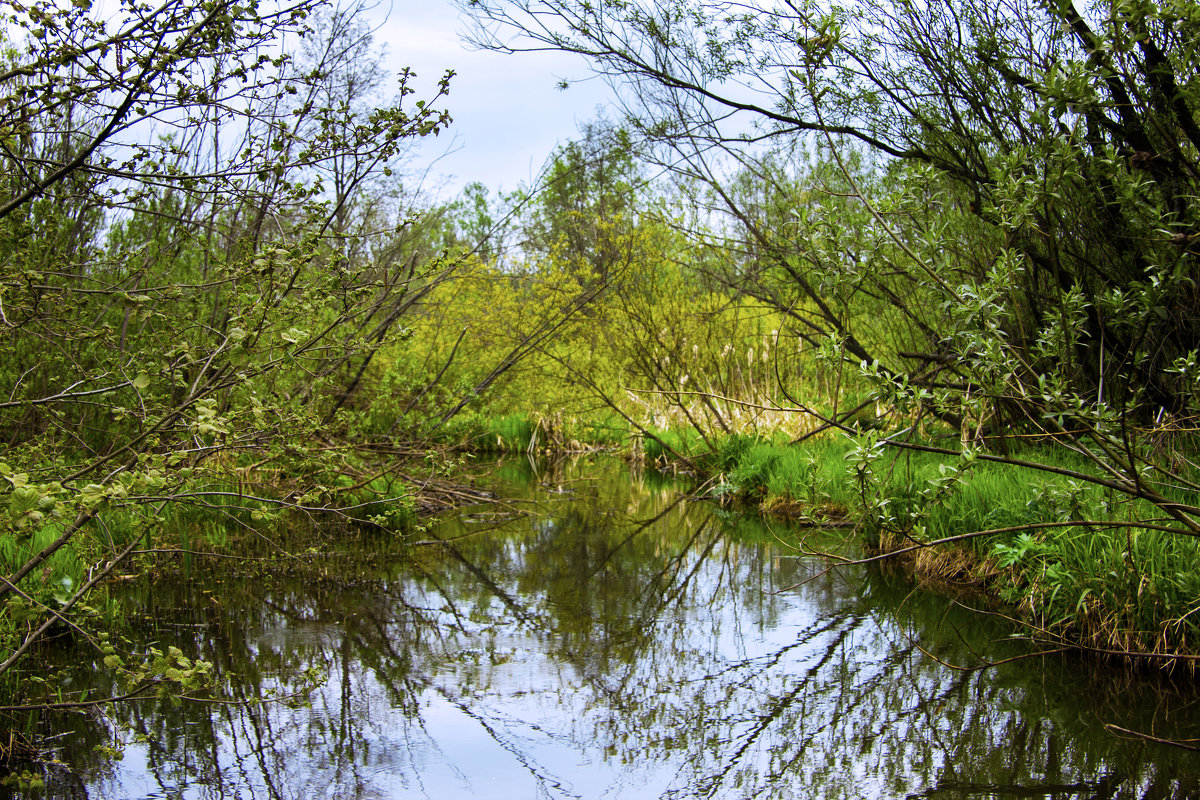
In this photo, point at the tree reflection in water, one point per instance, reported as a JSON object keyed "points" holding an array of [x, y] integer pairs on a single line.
{"points": [[613, 642]]}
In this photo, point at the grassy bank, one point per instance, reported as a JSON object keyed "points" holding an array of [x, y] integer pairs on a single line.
{"points": [[1075, 561], [1078, 562], [538, 433]]}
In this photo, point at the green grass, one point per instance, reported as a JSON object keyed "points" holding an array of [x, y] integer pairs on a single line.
{"points": [[1114, 587], [776, 473], [666, 444], [514, 433], [511, 433]]}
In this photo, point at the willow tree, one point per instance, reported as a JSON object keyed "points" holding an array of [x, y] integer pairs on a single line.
{"points": [[1029, 191], [176, 286]]}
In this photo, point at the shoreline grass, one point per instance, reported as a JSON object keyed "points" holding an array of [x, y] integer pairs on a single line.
{"points": [[1076, 563], [1079, 564]]}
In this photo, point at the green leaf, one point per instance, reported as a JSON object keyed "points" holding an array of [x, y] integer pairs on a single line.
{"points": [[93, 495]]}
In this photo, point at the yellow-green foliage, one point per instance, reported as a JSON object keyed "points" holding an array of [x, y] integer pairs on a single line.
{"points": [[651, 342]]}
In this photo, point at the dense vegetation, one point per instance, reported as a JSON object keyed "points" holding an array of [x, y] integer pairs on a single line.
{"points": [[970, 233], [190, 283], [929, 270]]}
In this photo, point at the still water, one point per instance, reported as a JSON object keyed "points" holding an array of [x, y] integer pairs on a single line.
{"points": [[599, 637]]}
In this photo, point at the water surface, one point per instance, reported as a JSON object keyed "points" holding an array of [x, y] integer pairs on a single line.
{"points": [[603, 638]]}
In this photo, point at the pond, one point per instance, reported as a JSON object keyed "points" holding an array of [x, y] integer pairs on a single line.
{"points": [[602, 637]]}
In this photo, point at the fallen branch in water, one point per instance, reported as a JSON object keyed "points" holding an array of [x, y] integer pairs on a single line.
{"points": [[1147, 737]]}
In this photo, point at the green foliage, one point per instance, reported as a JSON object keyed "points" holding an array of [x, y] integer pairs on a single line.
{"points": [[980, 220], [589, 199], [670, 444], [172, 673], [480, 223], [510, 433], [1115, 586], [25, 780], [184, 315], [807, 479]]}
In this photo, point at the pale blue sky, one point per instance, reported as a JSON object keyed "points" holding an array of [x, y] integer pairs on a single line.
{"points": [[508, 113]]}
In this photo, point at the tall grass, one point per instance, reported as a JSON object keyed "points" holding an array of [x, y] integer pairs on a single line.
{"points": [[1115, 584], [808, 480], [671, 443]]}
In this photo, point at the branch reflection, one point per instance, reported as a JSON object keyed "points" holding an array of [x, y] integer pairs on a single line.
{"points": [[613, 642]]}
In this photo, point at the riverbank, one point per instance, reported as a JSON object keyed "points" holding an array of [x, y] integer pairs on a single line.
{"points": [[1076, 562], [606, 630]]}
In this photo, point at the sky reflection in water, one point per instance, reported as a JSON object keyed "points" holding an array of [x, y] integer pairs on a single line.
{"points": [[615, 643]]}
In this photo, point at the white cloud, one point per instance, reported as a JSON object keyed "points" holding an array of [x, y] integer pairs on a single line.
{"points": [[508, 112]]}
